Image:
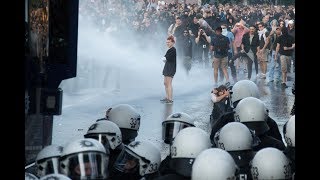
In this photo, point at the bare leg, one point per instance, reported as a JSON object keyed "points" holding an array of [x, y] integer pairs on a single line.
{"points": [[264, 67], [216, 64], [169, 89], [225, 72], [165, 86], [284, 77]]}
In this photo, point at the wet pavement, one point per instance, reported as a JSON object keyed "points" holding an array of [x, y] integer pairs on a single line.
{"points": [[76, 118]]}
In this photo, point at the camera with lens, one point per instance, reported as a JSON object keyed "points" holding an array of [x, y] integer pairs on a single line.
{"points": [[201, 31]]}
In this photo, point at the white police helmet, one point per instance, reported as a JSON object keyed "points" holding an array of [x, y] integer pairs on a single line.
{"points": [[47, 160], [270, 163], [139, 156], [238, 140], [253, 113], [84, 158], [214, 164], [29, 176], [55, 177], [106, 132], [244, 88], [188, 143], [289, 132], [234, 136], [128, 120], [173, 124]]}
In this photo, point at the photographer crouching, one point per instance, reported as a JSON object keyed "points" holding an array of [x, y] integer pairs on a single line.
{"points": [[219, 97]]}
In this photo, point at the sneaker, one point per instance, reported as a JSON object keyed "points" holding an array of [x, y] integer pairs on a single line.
{"points": [[169, 101], [163, 100]]}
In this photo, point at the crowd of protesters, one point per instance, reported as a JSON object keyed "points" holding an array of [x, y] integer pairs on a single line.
{"points": [[151, 22]]}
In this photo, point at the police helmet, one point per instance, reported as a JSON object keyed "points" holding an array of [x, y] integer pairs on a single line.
{"points": [[214, 164], [289, 132], [128, 120], [242, 89], [84, 158], [140, 157], [188, 143], [173, 124], [234, 136], [47, 160], [106, 132], [253, 113], [238, 140], [270, 163]]}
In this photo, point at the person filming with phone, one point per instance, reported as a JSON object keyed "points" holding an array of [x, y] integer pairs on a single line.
{"points": [[203, 41]]}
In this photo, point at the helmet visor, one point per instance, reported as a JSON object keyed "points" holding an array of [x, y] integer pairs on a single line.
{"points": [[47, 166], [171, 128], [87, 165], [102, 138], [127, 162]]}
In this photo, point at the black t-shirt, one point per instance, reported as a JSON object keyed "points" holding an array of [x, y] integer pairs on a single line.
{"points": [[220, 45], [285, 41], [194, 28]]}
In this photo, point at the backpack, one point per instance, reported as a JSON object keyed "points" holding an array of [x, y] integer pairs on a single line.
{"points": [[222, 44]]}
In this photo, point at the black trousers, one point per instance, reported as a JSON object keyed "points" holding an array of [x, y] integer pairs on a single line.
{"points": [[249, 64]]}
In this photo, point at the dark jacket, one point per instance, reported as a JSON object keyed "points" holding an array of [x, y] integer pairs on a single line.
{"points": [[172, 177], [273, 132], [268, 141], [254, 43], [186, 45]]}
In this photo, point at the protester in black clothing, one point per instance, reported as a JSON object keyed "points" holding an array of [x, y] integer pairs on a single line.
{"points": [[203, 41], [220, 46], [285, 47], [186, 49], [193, 31], [230, 23], [169, 69]]}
